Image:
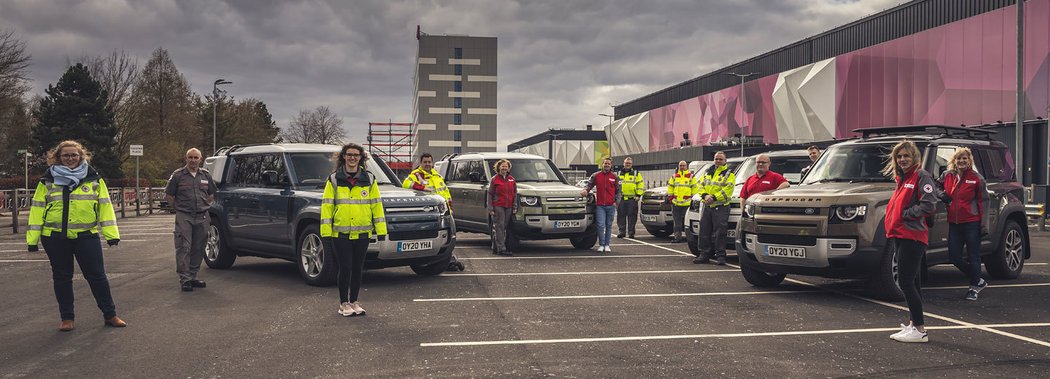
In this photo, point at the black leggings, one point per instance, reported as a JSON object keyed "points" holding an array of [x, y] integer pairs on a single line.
{"points": [[909, 256], [350, 260]]}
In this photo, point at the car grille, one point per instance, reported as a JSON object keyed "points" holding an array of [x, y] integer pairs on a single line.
{"points": [[561, 217], [413, 235], [789, 210], [650, 211], [782, 239]]}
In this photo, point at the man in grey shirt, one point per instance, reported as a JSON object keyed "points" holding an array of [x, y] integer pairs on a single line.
{"points": [[191, 191]]}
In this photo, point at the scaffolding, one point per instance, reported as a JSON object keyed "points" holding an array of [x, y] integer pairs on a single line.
{"points": [[392, 142]]}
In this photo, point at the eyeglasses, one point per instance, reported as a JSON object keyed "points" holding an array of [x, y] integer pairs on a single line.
{"points": [[70, 155]]}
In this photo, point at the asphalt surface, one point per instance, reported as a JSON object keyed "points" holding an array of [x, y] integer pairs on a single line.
{"points": [[550, 311]]}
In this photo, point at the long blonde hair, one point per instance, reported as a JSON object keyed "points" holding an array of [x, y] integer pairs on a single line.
{"points": [[891, 168], [958, 153], [495, 167], [54, 156]]}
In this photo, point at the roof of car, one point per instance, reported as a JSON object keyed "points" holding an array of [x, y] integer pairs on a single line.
{"points": [[787, 153], [923, 138], [496, 155], [284, 148]]}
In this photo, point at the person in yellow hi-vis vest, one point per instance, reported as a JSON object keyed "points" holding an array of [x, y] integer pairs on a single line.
{"points": [[680, 190], [71, 202], [351, 212], [426, 178], [631, 189], [716, 189]]}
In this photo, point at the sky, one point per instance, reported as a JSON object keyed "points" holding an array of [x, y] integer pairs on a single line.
{"points": [[560, 63]]}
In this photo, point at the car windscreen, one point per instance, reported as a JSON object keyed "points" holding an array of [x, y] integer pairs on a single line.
{"points": [[312, 169], [530, 170], [851, 163]]}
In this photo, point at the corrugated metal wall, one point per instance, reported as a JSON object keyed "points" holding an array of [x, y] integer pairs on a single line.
{"points": [[891, 24]]}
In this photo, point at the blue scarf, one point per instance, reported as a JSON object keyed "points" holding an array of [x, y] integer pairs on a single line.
{"points": [[64, 176]]}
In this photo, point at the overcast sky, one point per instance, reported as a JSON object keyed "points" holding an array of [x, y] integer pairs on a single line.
{"points": [[561, 63]]}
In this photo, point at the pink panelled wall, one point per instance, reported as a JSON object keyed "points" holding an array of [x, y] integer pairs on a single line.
{"points": [[960, 73]]}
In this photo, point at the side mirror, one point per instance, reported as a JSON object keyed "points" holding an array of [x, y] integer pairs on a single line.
{"points": [[270, 178], [476, 177]]}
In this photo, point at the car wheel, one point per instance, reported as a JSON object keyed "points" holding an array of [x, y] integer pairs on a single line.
{"points": [[885, 284], [217, 254], [761, 279], [316, 263], [584, 242], [1008, 260], [658, 232], [694, 246], [432, 269]]}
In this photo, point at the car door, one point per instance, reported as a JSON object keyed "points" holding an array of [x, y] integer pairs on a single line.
{"points": [[244, 176], [469, 215], [273, 203], [938, 235], [475, 185]]}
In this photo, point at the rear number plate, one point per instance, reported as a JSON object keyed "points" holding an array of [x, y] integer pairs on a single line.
{"points": [[567, 224], [414, 245], [786, 251], [649, 218]]}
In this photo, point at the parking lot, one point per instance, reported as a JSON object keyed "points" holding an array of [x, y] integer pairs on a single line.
{"points": [[550, 310]]}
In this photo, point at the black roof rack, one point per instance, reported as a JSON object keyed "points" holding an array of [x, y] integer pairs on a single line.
{"points": [[941, 130]]}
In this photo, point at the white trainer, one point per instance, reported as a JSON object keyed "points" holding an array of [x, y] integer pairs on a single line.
{"points": [[913, 335], [357, 308], [608, 249], [904, 328], [346, 310]]}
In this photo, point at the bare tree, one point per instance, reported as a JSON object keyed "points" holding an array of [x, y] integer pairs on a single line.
{"points": [[118, 73], [319, 125]]}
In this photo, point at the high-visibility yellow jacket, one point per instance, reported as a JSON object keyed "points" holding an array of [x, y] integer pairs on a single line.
{"points": [[427, 181], [63, 211], [353, 210], [719, 183], [681, 187], [631, 184]]}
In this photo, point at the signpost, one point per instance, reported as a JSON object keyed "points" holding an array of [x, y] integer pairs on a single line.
{"points": [[136, 151]]}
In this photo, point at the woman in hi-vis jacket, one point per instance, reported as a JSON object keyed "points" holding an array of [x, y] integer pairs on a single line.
{"points": [[71, 202]]}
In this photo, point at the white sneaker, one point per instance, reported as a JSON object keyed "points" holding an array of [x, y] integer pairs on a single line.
{"points": [[346, 310], [601, 248], [904, 328], [608, 249], [357, 308], [912, 336]]}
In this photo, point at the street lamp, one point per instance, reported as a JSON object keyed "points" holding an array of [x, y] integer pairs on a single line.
{"points": [[743, 104], [214, 102], [551, 137], [609, 128]]}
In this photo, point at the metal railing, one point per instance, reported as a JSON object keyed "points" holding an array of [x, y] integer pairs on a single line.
{"points": [[125, 200]]}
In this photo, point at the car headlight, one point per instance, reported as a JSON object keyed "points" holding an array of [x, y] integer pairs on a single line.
{"points": [[442, 208], [695, 205], [850, 213], [531, 201], [749, 210]]}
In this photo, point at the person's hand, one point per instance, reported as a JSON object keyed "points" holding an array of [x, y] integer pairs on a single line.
{"points": [[514, 211], [492, 213], [669, 199], [709, 199], [583, 193], [381, 237], [33, 248], [113, 242], [984, 230]]}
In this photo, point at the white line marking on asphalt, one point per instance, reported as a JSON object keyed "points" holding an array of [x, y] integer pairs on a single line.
{"points": [[615, 296], [903, 308], [1019, 285], [573, 257], [722, 335], [660, 247], [588, 273], [22, 260]]}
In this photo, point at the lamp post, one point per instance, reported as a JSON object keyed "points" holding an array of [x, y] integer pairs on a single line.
{"points": [[608, 129], [743, 104], [551, 137], [214, 102]]}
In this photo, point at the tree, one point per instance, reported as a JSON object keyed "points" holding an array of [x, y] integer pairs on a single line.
{"points": [[237, 123], [14, 115], [163, 116], [75, 109], [319, 125], [14, 68], [118, 73]]}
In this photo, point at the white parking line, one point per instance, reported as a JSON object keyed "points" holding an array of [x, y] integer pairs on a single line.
{"points": [[572, 257], [588, 273], [22, 260], [614, 296], [990, 286], [722, 335], [903, 308]]}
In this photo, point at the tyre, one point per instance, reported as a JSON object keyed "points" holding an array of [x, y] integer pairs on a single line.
{"points": [[885, 284], [217, 254], [658, 232], [1008, 260], [316, 262], [432, 269], [761, 279], [584, 242], [512, 243], [694, 246]]}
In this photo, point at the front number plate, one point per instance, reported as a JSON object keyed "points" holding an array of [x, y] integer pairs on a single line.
{"points": [[403, 246], [731, 233], [567, 224], [649, 218], [786, 251]]}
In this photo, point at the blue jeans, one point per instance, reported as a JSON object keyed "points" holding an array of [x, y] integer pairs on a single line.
{"points": [[967, 260], [605, 214], [87, 251]]}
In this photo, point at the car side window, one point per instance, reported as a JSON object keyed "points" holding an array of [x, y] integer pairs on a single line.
{"points": [[997, 164], [941, 159], [458, 172], [478, 167], [246, 171], [274, 162]]}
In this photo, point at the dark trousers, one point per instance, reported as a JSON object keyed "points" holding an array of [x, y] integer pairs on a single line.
{"points": [[678, 215], [909, 257], [191, 236], [967, 259], [350, 259], [87, 251], [501, 220], [627, 215], [712, 236]]}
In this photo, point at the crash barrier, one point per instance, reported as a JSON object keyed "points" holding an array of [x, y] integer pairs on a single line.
{"points": [[125, 200]]}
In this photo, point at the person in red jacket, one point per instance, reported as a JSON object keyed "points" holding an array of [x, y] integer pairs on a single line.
{"points": [[913, 200], [502, 204], [966, 193], [763, 180], [607, 185]]}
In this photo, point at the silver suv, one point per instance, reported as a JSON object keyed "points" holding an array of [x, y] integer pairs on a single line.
{"points": [[549, 207], [655, 210]]}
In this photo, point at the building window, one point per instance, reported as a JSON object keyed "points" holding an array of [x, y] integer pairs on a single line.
{"points": [[459, 52], [457, 102], [457, 135], [457, 119], [459, 69], [457, 86]]}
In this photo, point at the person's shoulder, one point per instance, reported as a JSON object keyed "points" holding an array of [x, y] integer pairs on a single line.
{"points": [[178, 171]]}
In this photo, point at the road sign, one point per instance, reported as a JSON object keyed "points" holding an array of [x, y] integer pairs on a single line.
{"points": [[136, 150]]}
